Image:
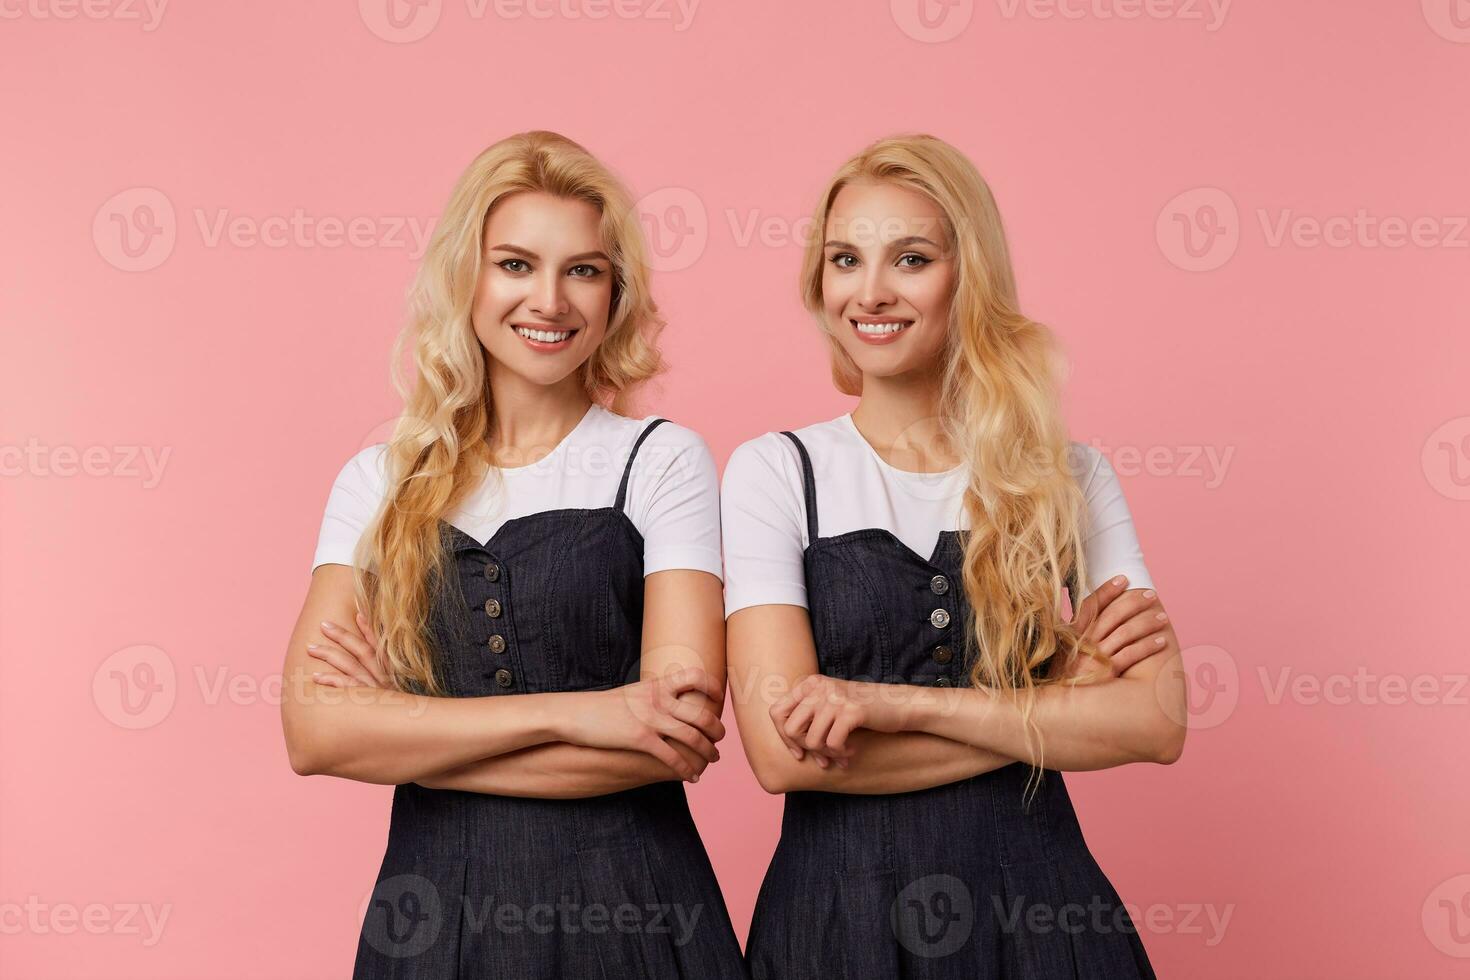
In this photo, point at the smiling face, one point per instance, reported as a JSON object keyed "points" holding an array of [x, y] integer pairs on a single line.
{"points": [[888, 275], [545, 291]]}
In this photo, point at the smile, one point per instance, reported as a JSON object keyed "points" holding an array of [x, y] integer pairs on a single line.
{"points": [[543, 339], [880, 331]]}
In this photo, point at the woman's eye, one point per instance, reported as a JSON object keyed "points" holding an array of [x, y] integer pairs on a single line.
{"points": [[513, 265], [585, 271], [844, 260], [921, 260]]}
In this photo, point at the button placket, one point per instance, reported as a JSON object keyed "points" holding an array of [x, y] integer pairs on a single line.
{"points": [[496, 610], [939, 618]]}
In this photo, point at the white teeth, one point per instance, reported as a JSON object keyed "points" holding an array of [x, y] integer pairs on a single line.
{"points": [[545, 336], [879, 328]]}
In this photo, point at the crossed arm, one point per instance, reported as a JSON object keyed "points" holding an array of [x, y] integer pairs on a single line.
{"points": [[869, 729], [770, 649], [681, 628], [344, 722]]}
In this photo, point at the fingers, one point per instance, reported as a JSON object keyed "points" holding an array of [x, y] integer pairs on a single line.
{"points": [[332, 680], [694, 738], [780, 713], [1099, 600], [346, 664], [1125, 607], [799, 692], [700, 717], [800, 718], [1142, 650], [377, 665], [1136, 627], [693, 679], [670, 757], [365, 653], [837, 738]]}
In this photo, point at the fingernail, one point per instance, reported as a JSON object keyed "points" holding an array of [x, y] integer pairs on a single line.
{"points": [[1118, 580], [1161, 617], [1149, 593], [328, 626], [311, 646], [1158, 641]]}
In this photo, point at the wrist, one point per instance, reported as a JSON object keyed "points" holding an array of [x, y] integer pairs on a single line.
{"points": [[547, 723], [921, 707]]}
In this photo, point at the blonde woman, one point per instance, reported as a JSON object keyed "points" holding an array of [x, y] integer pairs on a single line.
{"points": [[514, 613], [898, 572]]}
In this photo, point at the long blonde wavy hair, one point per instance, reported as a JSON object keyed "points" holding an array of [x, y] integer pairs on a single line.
{"points": [[1000, 413], [439, 447]]}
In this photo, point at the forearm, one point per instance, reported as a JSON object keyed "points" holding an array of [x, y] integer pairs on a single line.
{"points": [[385, 736], [1082, 727], [554, 770], [886, 762]]}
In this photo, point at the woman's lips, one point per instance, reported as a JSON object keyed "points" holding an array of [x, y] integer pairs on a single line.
{"points": [[544, 338], [879, 332]]}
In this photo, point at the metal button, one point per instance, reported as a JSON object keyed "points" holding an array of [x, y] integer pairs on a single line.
{"points": [[941, 682], [504, 678], [497, 644], [942, 654], [492, 608], [939, 618], [492, 572], [939, 584]]}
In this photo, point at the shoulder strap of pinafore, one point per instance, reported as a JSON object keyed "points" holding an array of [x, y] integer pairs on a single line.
{"points": [[623, 486], [808, 487]]}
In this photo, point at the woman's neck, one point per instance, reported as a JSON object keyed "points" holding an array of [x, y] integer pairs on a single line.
{"points": [[900, 419], [527, 417]]}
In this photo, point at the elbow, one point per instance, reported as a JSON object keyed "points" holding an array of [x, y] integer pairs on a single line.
{"points": [[305, 760], [772, 780], [1168, 744], [302, 748], [302, 764], [774, 777]]}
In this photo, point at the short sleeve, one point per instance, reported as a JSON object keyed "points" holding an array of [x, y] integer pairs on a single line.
{"points": [[351, 506], [762, 516], [1110, 542], [674, 499]]}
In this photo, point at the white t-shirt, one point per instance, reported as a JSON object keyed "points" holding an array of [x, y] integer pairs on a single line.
{"points": [[672, 498], [763, 510]]}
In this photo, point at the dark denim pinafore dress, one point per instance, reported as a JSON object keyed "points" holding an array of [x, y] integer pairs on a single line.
{"points": [[480, 886], [954, 882]]}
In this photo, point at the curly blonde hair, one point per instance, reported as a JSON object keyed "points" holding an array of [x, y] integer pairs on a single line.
{"points": [[439, 446], [1000, 411]]}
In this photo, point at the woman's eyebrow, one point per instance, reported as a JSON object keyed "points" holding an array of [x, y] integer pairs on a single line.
{"points": [[896, 243], [579, 257]]}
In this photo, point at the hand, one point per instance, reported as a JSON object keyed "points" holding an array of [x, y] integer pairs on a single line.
{"points": [[820, 712], [357, 657], [648, 715], [1128, 625]]}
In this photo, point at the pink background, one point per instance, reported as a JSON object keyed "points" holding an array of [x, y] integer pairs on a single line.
{"points": [[1327, 375]]}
